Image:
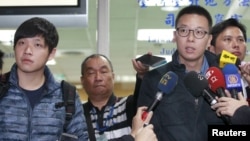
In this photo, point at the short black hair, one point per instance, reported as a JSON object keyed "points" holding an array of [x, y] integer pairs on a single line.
{"points": [[195, 9], [221, 26], [38, 26], [1, 59], [95, 56]]}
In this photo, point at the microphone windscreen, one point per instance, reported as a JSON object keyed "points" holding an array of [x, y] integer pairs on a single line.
{"points": [[168, 82], [227, 57], [230, 69], [195, 83], [232, 77], [215, 79]]}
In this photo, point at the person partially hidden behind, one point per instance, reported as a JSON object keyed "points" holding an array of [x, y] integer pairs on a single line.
{"points": [[108, 117], [27, 110], [231, 35]]}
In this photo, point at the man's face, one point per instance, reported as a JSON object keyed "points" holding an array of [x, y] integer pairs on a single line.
{"points": [[232, 40], [190, 47], [98, 78], [32, 54]]}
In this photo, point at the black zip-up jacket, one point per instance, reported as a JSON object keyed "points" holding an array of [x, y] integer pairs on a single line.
{"points": [[179, 116]]}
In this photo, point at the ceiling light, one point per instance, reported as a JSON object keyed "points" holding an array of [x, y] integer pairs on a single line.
{"points": [[155, 35], [170, 8]]}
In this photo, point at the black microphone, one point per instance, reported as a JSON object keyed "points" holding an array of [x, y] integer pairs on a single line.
{"points": [[197, 85], [209, 96], [165, 86]]}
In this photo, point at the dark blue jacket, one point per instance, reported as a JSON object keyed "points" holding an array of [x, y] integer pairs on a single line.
{"points": [[241, 116], [18, 122], [179, 115]]}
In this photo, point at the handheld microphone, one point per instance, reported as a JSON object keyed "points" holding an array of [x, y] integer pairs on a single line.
{"points": [[216, 81], [165, 86], [227, 58], [197, 85], [233, 79]]}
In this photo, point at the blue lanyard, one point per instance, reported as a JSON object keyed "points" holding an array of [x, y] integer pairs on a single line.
{"points": [[106, 122]]}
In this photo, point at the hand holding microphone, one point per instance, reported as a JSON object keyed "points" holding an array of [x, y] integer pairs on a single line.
{"points": [[216, 81], [232, 79], [165, 86], [197, 85]]}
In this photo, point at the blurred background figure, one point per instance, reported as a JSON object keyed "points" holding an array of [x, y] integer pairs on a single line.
{"points": [[1, 61]]}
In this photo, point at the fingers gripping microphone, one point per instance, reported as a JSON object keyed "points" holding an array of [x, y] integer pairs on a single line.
{"points": [[233, 79], [197, 85], [165, 86], [216, 81]]}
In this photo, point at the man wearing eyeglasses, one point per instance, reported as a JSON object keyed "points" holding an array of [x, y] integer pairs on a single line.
{"points": [[180, 116]]}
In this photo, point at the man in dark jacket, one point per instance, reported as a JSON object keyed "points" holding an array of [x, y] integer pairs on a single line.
{"points": [[180, 116]]}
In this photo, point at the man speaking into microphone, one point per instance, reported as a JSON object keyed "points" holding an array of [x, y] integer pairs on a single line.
{"points": [[179, 115]]}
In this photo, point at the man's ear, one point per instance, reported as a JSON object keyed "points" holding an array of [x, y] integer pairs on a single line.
{"points": [[52, 54], [211, 48], [174, 36]]}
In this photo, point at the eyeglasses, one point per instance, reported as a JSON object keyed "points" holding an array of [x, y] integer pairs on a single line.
{"points": [[184, 32]]}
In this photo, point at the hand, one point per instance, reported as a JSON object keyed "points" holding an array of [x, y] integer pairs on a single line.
{"points": [[140, 68], [245, 71], [139, 132], [138, 123], [228, 105], [146, 134]]}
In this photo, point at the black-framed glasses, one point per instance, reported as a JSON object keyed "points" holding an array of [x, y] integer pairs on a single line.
{"points": [[184, 32]]}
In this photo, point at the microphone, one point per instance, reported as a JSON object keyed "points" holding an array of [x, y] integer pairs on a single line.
{"points": [[233, 79], [197, 85], [216, 81], [194, 79], [165, 86], [228, 58]]}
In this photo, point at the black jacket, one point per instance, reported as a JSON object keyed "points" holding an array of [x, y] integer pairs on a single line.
{"points": [[179, 116], [241, 116]]}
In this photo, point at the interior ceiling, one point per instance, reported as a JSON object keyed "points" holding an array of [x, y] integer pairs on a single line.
{"points": [[126, 17]]}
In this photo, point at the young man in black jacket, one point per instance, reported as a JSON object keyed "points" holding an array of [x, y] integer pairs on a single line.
{"points": [[180, 116]]}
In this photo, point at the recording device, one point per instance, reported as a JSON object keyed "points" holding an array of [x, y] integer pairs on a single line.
{"points": [[216, 81], [233, 79], [228, 58], [165, 86], [151, 61], [197, 85]]}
